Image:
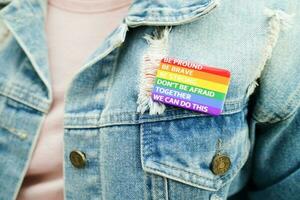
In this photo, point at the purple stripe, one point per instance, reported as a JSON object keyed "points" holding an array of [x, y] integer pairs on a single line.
{"points": [[185, 104], [193, 97]]}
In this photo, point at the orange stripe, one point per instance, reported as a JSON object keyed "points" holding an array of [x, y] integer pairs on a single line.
{"points": [[194, 73]]}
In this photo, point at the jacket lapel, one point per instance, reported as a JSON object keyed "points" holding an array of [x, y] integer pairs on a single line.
{"points": [[26, 20]]}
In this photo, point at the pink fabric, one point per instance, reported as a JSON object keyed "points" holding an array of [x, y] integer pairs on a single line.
{"points": [[75, 28]]}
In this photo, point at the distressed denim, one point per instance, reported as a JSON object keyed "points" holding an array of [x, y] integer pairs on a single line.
{"points": [[138, 156]]}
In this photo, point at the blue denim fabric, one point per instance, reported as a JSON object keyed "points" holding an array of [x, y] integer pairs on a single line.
{"points": [[134, 156]]}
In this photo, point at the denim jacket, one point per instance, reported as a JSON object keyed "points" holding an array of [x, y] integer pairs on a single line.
{"points": [[133, 154]]}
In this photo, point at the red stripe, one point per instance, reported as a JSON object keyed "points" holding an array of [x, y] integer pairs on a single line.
{"points": [[199, 67]]}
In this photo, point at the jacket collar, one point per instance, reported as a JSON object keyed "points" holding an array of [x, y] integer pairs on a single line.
{"points": [[25, 19], [167, 12]]}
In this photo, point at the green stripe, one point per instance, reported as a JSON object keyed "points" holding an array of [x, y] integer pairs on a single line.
{"points": [[191, 89]]}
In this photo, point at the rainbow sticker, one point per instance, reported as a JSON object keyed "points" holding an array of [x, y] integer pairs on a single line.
{"points": [[191, 86]]}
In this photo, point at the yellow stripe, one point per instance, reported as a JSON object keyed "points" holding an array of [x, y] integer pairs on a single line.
{"points": [[195, 73], [192, 81]]}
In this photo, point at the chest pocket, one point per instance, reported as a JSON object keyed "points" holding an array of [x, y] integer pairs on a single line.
{"points": [[196, 149], [202, 151]]}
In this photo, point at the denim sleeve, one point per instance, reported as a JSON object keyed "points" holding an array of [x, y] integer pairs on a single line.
{"points": [[276, 119], [276, 172]]}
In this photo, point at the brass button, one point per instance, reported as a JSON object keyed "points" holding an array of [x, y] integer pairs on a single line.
{"points": [[78, 159], [220, 164]]}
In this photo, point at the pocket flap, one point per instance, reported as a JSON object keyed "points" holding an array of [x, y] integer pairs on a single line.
{"points": [[183, 149]]}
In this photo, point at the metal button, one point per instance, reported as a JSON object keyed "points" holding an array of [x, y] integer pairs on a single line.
{"points": [[220, 164], [78, 159]]}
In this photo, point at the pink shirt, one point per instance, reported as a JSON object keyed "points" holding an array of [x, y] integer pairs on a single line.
{"points": [[74, 28]]}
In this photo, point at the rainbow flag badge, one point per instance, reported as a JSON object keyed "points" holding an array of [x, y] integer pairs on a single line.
{"points": [[191, 86]]}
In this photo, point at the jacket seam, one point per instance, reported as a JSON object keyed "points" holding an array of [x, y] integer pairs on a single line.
{"points": [[11, 90], [274, 121], [137, 121]]}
